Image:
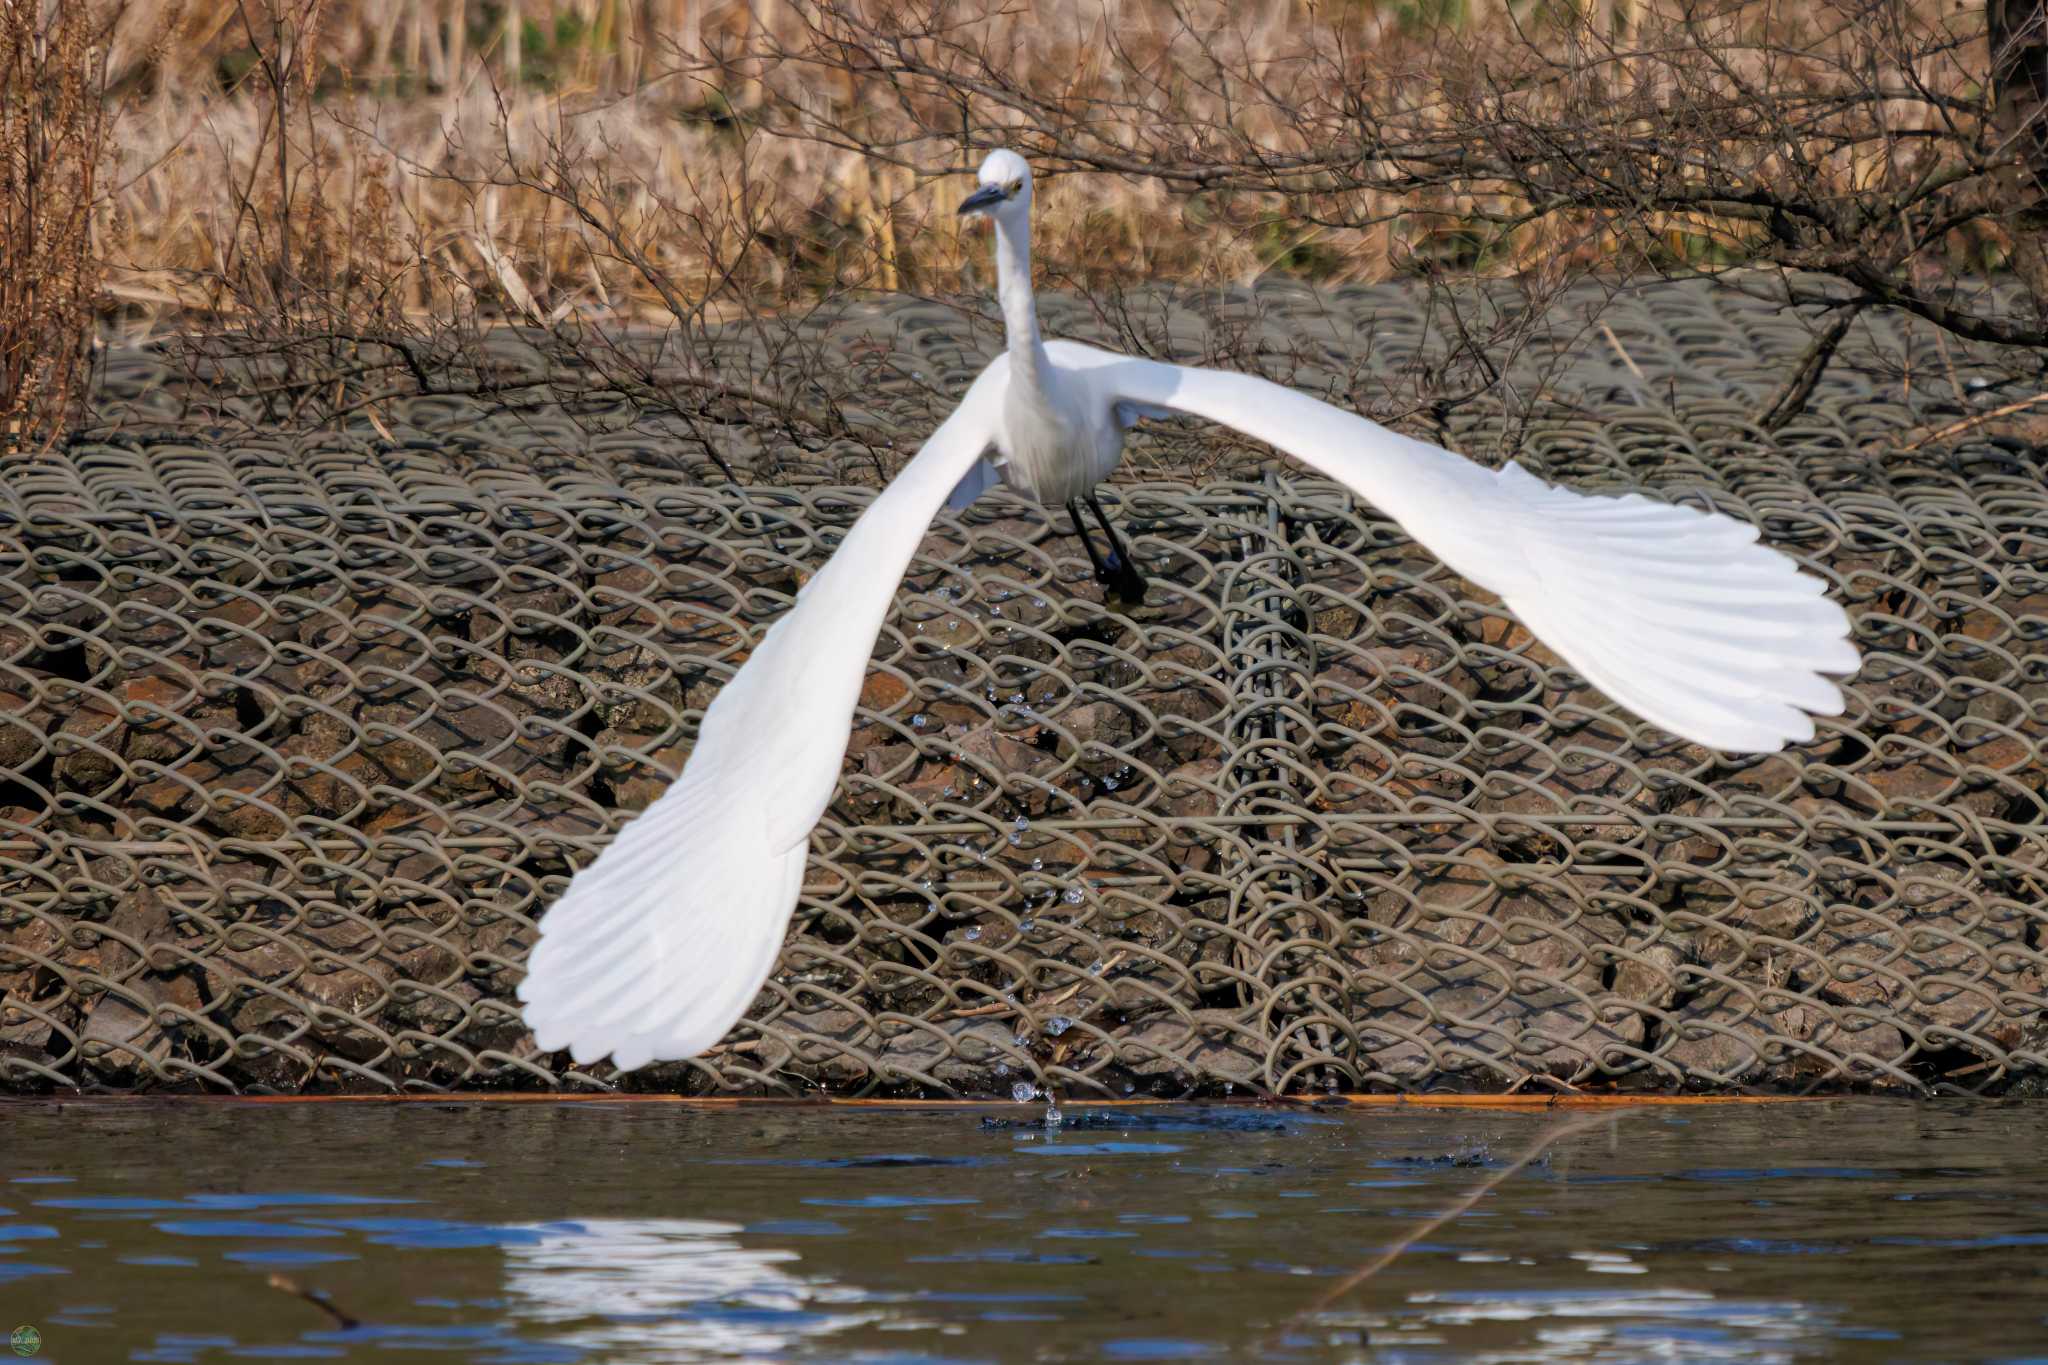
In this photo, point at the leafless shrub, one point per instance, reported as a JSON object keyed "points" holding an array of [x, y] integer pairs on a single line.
{"points": [[53, 132], [1836, 156], [628, 177]]}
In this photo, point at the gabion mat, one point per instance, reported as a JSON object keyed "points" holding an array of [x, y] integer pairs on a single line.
{"points": [[299, 738]]}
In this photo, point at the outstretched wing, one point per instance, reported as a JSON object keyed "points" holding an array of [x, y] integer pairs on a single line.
{"points": [[1677, 614], [659, 946]]}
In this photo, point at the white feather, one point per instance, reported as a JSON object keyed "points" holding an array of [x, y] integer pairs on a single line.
{"points": [[662, 943]]}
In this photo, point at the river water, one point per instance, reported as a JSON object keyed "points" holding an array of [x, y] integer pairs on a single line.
{"points": [[616, 1232]]}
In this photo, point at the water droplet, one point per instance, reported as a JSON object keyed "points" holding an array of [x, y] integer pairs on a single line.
{"points": [[1038, 602], [973, 934], [949, 792], [995, 611], [1002, 1068], [1038, 864], [920, 721], [920, 627], [1022, 823], [1023, 1092], [1073, 896], [1016, 699], [1026, 926], [1058, 1024], [1052, 1113], [1128, 1087], [1015, 838], [1109, 784]]}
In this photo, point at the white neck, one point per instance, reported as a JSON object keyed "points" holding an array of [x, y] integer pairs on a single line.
{"points": [[1020, 312]]}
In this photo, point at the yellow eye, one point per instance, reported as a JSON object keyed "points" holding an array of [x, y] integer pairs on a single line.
{"points": [[1015, 185]]}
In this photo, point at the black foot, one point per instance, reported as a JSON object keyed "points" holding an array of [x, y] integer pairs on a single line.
{"points": [[1121, 581], [1114, 571]]}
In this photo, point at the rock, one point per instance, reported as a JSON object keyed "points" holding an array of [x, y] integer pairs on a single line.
{"points": [[1363, 688], [883, 692], [414, 739], [1462, 1021], [1925, 955], [886, 765], [1910, 786], [1101, 729], [88, 746], [638, 691], [1813, 1044], [131, 1027], [243, 802], [27, 946], [1400, 774], [1009, 764], [637, 782], [169, 720], [26, 723], [960, 1055], [1649, 975], [1535, 779], [240, 635], [26, 1044], [326, 768], [1193, 791], [1713, 1044], [1507, 925], [122, 1040], [1211, 1046], [1774, 778]]}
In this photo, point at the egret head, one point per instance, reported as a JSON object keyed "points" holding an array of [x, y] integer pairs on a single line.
{"points": [[1005, 187]]}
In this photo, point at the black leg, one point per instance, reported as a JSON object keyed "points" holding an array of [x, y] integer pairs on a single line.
{"points": [[1123, 576], [1087, 541]]}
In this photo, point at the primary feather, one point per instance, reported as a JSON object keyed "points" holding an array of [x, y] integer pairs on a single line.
{"points": [[661, 944]]}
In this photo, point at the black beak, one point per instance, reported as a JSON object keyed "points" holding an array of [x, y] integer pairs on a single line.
{"points": [[983, 199]]}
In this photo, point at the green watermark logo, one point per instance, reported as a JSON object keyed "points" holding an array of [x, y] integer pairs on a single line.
{"points": [[26, 1341]]}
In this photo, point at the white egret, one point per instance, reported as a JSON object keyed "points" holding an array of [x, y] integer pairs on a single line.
{"points": [[659, 946]]}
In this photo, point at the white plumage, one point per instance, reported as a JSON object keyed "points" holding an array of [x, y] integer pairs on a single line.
{"points": [[660, 945]]}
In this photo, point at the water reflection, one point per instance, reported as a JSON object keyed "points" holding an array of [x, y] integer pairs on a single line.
{"points": [[670, 1290], [1654, 1324], [606, 1235]]}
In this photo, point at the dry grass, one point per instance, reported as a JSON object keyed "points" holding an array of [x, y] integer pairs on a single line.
{"points": [[331, 199], [436, 138], [755, 155], [52, 152]]}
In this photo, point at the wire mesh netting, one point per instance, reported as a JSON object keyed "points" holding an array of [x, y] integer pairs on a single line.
{"points": [[298, 739]]}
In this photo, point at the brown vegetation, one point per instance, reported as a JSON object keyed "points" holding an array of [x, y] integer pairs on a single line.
{"points": [[358, 186], [53, 128]]}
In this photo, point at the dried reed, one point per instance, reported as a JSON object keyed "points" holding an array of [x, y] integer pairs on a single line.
{"points": [[53, 141]]}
